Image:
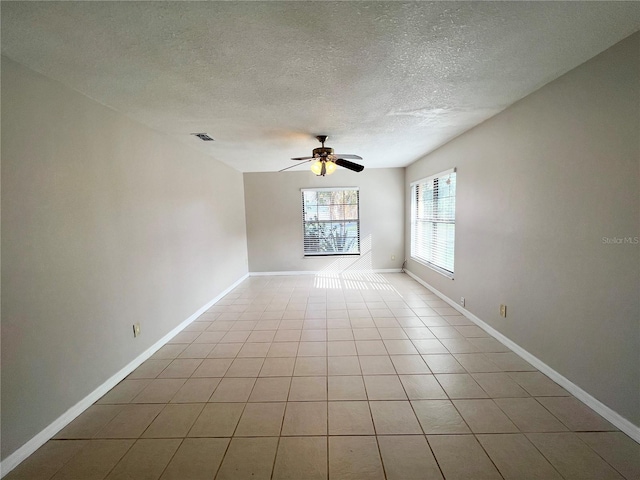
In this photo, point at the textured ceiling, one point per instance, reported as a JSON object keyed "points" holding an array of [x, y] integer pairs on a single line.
{"points": [[389, 81]]}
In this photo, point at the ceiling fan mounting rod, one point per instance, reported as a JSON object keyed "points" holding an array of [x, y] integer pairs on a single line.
{"points": [[322, 152]]}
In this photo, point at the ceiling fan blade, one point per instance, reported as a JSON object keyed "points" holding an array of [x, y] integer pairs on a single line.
{"points": [[350, 165], [349, 156], [303, 158], [293, 166]]}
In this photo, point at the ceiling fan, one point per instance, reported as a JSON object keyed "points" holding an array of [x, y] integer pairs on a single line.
{"points": [[326, 161]]}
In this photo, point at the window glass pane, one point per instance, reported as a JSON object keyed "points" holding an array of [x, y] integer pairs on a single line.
{"points": [[337, 212], [351, 197], [324, 198], [311, 213], [350, 212], [324, 212], [310, 197]]}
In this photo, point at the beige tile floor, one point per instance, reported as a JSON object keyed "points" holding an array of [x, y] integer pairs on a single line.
{"points": [[351, 377]]}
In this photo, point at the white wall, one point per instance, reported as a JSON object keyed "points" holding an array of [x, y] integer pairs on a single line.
{"points": [[538, 187], [104, 223], [274, 219]]}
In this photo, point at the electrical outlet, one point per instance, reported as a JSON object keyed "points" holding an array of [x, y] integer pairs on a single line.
{"points": [[462, 301], [393, 257], [503, 311], [136, 330]]}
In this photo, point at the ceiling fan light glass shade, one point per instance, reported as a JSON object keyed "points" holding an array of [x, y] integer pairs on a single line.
{"points": [[316, 167], [330, 167]]}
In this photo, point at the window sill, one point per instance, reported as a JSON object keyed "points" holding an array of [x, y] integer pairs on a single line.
{"points": [[441, 271]]}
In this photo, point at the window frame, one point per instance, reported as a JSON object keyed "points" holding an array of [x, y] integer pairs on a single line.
{"points": [[415, 255], [309, 254]]}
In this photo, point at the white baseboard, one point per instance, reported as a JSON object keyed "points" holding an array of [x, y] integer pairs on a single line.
{"points": [[17, 457], [324, 272], [292, 273], [612, 416]]}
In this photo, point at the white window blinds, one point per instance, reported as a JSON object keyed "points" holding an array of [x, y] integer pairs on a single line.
{"points": [[331, 221], [433, 221]]}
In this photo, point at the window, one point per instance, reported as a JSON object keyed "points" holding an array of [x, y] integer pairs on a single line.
{"points": [[433, 221], [331, 221]]}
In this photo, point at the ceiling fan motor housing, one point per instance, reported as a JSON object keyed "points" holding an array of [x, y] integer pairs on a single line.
{"points": [[322, 152]]}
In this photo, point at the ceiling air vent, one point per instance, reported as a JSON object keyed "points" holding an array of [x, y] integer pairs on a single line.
{"points": [[203, 136]]}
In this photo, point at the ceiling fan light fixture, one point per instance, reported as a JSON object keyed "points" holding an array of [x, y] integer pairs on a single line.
{"points": [[316, 168], [323, 167], [330, 167]]}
